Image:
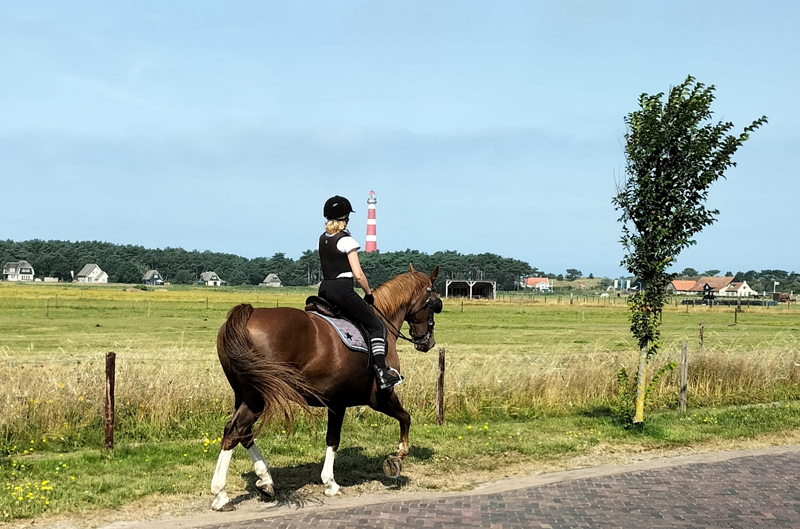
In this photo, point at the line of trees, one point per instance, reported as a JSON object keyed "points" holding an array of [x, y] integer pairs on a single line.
{"points": [[128, 263]]}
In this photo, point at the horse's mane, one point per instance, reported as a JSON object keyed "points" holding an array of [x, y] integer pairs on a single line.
{"points": [[398, 291]]}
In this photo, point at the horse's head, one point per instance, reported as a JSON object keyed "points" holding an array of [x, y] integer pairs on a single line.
{"points": [[421, 311]]}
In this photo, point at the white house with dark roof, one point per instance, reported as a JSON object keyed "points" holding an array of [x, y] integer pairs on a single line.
{"points": [[91, 273], [152, 277], [18, 271], [211, 279], [739, 290], [272, 280]]}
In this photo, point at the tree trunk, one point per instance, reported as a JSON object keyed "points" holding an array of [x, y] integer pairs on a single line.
{"points": [[638, 419]]}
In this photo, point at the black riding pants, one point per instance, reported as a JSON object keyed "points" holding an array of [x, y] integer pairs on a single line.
{"points": [[340, 293]]}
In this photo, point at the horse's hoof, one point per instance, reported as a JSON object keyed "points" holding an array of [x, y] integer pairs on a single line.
{"points": [[392, 466], [332, 490], [267, 491], [228, 507]]}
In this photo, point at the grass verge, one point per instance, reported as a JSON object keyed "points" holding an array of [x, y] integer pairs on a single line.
{"points": [[45, 481]]}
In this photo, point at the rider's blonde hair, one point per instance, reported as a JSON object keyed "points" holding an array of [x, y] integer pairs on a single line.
{"points": [[335, 226]]}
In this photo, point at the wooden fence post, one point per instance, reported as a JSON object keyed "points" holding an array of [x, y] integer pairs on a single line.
{"points": [[108, 441], [702, 328], [684, 371], [47, 314], [440, 390]]}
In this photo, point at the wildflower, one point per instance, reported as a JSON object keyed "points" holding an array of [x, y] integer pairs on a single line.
{"points": [[469, 427], [459, 437], [80, 399]]}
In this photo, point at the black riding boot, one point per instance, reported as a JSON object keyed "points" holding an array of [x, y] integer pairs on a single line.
{"points": [[387, 376]]}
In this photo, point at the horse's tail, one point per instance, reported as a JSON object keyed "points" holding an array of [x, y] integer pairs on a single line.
{"points": [[279, 383]]}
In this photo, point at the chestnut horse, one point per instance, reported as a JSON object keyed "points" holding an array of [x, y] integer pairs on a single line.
{"points": [[275, 357]]}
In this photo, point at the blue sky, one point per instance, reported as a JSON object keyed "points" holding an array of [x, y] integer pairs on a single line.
{"points": [[482, 126]]}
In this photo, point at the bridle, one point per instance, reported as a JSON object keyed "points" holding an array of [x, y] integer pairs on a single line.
{"points": [[435, 305]]}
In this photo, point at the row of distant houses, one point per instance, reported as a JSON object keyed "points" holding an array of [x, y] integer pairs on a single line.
{"points": [[91, 273], [23, 271], [717, 286]]}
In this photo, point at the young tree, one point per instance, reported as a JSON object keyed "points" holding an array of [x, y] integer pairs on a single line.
{"points": [[673, 155]]}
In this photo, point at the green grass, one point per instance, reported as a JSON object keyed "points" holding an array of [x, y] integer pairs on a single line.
{"points": [[536, 377], [56, 481]]}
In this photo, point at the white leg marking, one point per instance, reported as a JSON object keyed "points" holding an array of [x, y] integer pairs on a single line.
{"points": [[218, 481], [331, 488], [262, 470]]}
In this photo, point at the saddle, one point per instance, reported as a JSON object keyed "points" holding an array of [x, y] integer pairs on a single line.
{"points": [[352, 334]]}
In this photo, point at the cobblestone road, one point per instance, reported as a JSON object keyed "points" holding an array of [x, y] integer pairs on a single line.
{"points": [[750, 491]]}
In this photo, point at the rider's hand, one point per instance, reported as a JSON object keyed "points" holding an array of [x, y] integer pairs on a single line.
{"points": [[369, 299]]}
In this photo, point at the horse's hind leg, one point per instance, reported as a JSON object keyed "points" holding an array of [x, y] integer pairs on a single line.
{"points": [[332, 437], [264, 484], [391, 406], [238, 430]]}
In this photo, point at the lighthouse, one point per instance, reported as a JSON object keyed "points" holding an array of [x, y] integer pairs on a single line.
{"points": [[372, 239]]}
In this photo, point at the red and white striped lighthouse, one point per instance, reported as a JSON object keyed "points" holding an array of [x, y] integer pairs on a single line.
{"points": [[372, 238]]}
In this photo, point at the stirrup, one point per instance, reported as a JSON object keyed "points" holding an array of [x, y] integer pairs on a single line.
{"points": [[388, 377]]}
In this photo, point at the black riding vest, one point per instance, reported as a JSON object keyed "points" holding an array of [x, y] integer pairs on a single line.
{"points": [[333, 261]]}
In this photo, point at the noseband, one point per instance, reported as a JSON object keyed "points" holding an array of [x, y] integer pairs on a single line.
{"points": [[421, 341]]}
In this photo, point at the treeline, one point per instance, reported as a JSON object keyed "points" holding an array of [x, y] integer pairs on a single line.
{"points": [[128, 263]]}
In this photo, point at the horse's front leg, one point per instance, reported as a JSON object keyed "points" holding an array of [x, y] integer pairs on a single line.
{"points": [[335, 419], [390, 405]]}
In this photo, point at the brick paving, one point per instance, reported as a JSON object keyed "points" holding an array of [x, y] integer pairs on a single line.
{"points": [[749, 491]]}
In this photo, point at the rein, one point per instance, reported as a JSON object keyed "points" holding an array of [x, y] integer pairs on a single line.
{"points": [[416, 340]]}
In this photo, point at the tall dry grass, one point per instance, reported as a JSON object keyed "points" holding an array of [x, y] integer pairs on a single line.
{"points": [[64, 399]]}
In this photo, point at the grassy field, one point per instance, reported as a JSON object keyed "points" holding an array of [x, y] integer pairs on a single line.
{"points": [[529, 381]]}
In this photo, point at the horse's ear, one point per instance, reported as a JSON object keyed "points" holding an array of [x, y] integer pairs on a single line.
{"points": [[411, 267], [434, 274]]}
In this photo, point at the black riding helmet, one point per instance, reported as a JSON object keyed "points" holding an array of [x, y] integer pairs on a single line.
{"points": [[337, 208]]}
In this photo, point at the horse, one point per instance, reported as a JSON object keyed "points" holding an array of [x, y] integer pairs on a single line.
{"points": [[273, 357]]}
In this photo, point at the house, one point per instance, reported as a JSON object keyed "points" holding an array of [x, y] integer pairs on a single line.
{"points": [[91, 273], [152, 277], [210, 279], [51, 280], [716, 285], [680, 286], [272, 280], [542, 284], [739, 290], [18, 271]]}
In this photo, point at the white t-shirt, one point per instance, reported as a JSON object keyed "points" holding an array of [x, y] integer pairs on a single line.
{"points": [[347, 244]]}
